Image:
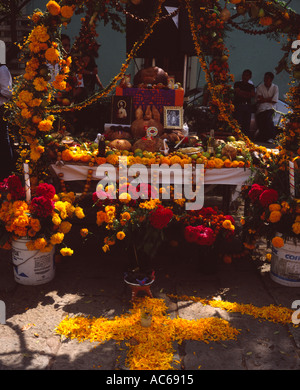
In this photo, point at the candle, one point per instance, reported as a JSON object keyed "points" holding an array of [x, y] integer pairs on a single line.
{"points": [[27, 183]]}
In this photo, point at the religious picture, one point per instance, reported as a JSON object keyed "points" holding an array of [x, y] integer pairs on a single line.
{"points": [[121, 110], [173, 117]]}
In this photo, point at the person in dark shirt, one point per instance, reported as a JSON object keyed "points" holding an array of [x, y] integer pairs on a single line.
{"points": [[244, 91]]}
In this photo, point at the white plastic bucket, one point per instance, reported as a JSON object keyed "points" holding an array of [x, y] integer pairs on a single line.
{"points": [[285, 264], [32, 267]]}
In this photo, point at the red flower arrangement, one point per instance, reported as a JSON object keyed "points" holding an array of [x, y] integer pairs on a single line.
{"points": [[268, 197], [255, 192], [46, 190], [43, 221], [42, 206], [204, 226], [200, 235], [160, 217], [13, 185], [265, 196]]}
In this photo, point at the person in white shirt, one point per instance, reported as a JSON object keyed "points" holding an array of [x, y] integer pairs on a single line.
{"points": [[54, 69], [6, 154], [267, 95]]}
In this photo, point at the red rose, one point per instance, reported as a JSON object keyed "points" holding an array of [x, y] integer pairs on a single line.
{"points": [[42, 206], [255, 192], [268, 196], [46, 190], [160, 217]]}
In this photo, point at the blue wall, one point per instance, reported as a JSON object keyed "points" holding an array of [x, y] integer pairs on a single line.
{"points": [[246, 51]]}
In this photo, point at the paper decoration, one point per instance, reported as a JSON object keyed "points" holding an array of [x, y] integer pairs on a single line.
{"points": [[292, 178], [27, 183]]}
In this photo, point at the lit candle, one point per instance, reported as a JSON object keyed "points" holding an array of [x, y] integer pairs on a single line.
{"points": [[27, 183]]}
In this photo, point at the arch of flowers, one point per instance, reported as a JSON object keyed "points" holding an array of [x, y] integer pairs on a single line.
{"points": [[34, 116]]}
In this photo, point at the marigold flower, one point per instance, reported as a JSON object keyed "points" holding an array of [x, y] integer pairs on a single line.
{"points": [[45, 125], [79, 212], [56, 219], [125, 216], [268, 256], [275, 216], [274, 207], [35, 224], [105, 248], [124, 197], [40, 243], [40, 84], [65, 227], [53, 7], [25, 113], [66, 11], [101, 217], [66, 252], [120, 235], [57, 238], [296, 227], [227, 224], [52, 55], [277, 242], [84, 232], [48, 248]]}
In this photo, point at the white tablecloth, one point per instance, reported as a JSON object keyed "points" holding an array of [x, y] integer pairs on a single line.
{"points": [[228, 176]]}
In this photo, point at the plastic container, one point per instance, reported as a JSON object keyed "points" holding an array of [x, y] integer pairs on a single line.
{"points": [[32, 267], [285, 264]]}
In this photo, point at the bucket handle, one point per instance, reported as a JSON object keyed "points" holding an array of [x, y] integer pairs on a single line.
{"points": [[29, 258]]}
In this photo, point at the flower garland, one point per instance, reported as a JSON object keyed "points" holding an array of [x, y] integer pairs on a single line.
{"points": [[225, 110], [94, 98], [32, 92], [144, 20]]}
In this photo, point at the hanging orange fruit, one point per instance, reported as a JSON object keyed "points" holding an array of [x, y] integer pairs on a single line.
{"points": [[235, 1]]}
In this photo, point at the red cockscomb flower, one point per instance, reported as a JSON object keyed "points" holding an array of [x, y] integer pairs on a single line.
{"points": [[46, 190], [255, 192], [42, 206], [160, 217], [13, 185], [200, 235], [267, 197]]}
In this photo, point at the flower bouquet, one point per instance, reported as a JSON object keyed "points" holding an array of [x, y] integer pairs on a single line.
{"points": [[43, 221], [272, 215], [209, 229], [137, 223]]}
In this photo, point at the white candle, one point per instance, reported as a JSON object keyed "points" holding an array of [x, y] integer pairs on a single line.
{"points": [[27, 183]]}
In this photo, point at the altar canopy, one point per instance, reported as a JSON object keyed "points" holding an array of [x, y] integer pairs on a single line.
{"points": [[170, 38]]}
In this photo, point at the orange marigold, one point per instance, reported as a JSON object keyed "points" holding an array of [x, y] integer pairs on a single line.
{"points": [[66, 11], [53, 7], [277, 242], [52, 55], [275, 216]]}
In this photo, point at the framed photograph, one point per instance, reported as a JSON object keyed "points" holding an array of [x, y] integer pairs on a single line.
{"points": [[121, 110], [173, 117]]}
